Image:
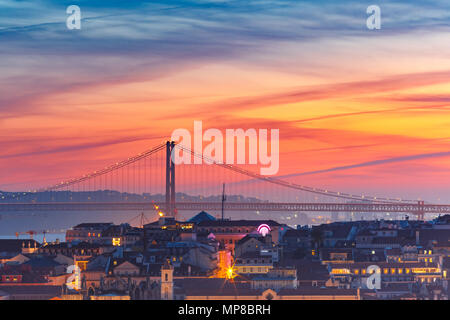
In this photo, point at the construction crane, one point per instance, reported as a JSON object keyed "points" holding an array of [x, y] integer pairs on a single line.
{"points": [[31, 233], [224, 198], [156, 207]]}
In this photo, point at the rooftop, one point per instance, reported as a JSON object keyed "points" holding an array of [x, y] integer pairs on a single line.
{"points": [[93, 225], [237, 223], [16, 245]]}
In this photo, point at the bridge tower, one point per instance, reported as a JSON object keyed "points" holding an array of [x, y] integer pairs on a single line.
{"points": [[170, 180]]}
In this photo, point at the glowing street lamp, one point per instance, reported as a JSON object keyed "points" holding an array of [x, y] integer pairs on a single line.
{"points": [[230, 274]]}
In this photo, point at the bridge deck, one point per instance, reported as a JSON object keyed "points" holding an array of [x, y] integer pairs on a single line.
{"points": [[230, 206]]}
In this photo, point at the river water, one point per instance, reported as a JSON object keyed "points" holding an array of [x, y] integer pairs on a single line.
{"points": [[56, 223]]}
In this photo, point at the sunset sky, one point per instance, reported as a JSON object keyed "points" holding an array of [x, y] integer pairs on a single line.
{"points": [[358, 110]]}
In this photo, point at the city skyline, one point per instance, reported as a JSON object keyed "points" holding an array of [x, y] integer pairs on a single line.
{"points": [[237, 153]]}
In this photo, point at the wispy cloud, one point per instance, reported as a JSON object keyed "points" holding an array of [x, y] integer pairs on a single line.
{"points": [[372, 163], [79, 147]]}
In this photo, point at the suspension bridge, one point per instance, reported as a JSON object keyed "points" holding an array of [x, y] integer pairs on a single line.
{"points": [[139, 182]]}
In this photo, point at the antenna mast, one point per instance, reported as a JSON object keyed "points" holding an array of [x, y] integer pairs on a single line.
{"points": [[224, 198]]}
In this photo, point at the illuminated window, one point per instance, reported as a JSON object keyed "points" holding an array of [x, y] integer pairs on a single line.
{"points": [[392, 270], [431, 259], [116, 242], [356, 271], [407, 271], [363, 271], [385, 271], [400, 271]]}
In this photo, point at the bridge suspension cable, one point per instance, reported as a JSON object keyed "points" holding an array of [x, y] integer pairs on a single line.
{"points": [[253, 175], [291, 185], [106, 170]]}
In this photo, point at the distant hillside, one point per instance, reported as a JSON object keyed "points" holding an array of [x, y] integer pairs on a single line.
{"points": [[109, 196]]}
